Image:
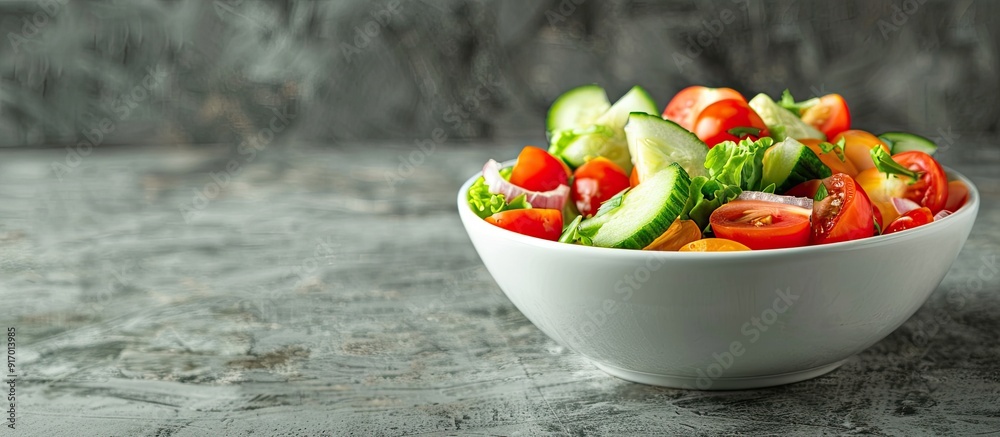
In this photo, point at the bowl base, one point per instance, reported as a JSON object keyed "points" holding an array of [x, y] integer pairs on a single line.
{"points": [[706, 383]]}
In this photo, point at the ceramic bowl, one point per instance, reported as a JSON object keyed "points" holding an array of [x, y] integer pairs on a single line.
{"points": [[721, 320]]}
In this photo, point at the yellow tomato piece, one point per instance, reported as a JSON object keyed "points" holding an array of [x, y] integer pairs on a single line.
{"points": [[679, 233]]}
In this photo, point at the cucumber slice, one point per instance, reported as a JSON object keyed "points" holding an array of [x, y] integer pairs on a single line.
{"points": [[590, 226], [577, 107], [904, 142], [655, 143], [577, 135], [577, 146], [635, 100], [781, 122], [645, 213], [790, 163]]}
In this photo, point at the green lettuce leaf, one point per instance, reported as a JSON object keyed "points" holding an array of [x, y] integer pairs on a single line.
{"points": [[485, 204], [740, 165], [705, 196]]}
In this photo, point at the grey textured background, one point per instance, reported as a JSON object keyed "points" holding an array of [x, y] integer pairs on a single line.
{"points": [[356, 70]]}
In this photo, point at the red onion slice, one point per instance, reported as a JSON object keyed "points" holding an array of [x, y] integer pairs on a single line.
{"points": [[803, 202], [904, 206], [552, 199], [942, 214]]}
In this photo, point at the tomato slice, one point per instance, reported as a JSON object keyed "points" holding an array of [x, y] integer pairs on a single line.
{"points": [[858, 146], [931, 190], [830, 115], [832, 159], [958, 194], [729, 120], [762, 225], [537, 170], [714, 245], [539, 223], [686, 105], [911, 219], [596, 181], [844, 214]]}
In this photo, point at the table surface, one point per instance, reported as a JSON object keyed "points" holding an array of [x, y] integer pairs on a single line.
{"points": [[332, 291]]}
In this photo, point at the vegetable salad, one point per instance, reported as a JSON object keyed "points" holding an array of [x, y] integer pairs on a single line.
{"points": [[713, 172]]}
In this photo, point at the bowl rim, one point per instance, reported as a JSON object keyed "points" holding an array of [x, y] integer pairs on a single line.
{"points": [[474, 223]]}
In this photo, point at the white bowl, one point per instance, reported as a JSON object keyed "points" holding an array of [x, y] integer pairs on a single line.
{"points": [[721, 320]]}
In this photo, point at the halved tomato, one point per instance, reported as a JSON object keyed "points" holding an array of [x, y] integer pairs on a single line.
{"points": [[931, 190], [686, 105], [596, 181], [537, 170], [830, 115], [536, 222], [911, 219], [729, 120], [762, 225], [858, 146], [844, 214]]}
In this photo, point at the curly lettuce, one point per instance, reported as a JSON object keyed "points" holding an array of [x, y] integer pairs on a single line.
{"points": [[485, 204], [732, 169], [740, 165]]}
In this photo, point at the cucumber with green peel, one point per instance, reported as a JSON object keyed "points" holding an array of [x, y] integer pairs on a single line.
{"points": [[790, 163], [577, 107], [577, 135], [635, 100], [905, 142], [590, 226], [655, 143], [577, 146], [646, 211], [782, 123]]}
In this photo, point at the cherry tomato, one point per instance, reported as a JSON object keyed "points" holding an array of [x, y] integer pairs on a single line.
{"points": [[932, 188], [539, 223], [686, 105], [762, 225], [714, 245], [845, 214], [805, 189], [958, 193], [594, 182], [537, 170], [830, 116], [831, 158], [913, 218], [717, 122], [858, 146]]}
